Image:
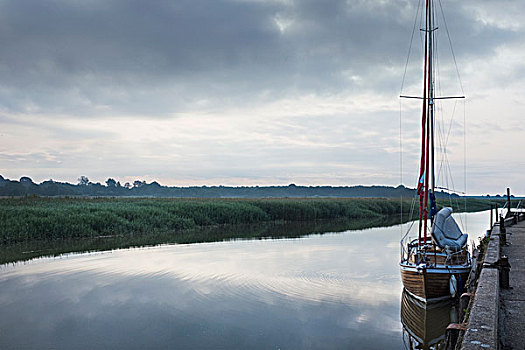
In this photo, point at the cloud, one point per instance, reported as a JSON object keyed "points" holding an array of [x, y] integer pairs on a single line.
{"points": [[242, 89], [131, 57]]}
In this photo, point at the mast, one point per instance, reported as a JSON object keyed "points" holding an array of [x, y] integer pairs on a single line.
{"points": [[427, 176], [431, 94]]}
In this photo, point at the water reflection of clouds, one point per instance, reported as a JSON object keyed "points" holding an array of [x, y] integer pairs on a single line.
{"points": [[339, 267], [150, 311], [315, 292]]}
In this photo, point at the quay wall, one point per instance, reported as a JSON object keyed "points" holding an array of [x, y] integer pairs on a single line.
{"points": [[482, 330]]}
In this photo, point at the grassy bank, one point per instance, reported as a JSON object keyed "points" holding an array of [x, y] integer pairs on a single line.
{"points": [[36, 218], [273, 229], [27, 219]]}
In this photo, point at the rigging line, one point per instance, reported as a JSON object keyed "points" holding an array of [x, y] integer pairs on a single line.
{"points": [[443, 145], [450, 124], [451, 48], [442, 126], [410, 47], [444, 140], [443, 168], [453, 186], [449, 189], [412, 209], [448, 174], [444, 158], [438, 109], [401, 161], [434, 34], [442, 148], [421, 17], [411, 215], [465, 159], [437, 74]]}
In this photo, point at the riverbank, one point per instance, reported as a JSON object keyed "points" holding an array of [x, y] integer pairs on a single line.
{"points": [[264, 230], [27, 219]]}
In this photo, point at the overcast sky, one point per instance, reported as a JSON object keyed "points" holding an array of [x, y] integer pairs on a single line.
{"points": [[255, 92]]}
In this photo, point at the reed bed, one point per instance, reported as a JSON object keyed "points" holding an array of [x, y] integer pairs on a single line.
{"points": [[26, 219]]}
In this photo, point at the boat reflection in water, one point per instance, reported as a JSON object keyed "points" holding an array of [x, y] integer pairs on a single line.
{"points": [[425, 325]]}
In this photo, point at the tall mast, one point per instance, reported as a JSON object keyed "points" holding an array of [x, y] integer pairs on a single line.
{"points": [[431, 95], [422, 189], [429, 166], [427, 137]]}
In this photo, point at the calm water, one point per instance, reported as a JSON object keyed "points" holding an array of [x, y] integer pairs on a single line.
{"points": [[331, 291]]}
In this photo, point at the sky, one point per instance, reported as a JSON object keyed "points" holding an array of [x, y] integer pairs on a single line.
{"points": [[258, 92]]}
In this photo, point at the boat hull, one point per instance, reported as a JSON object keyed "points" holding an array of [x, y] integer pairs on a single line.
{"points": [[432, 284]]}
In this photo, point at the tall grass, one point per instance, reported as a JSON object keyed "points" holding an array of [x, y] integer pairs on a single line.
{"points": [[45, 219], [268, 229]]}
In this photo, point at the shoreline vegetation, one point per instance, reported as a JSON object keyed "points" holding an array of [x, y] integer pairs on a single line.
{"points": [[38, 226], [264, 230], [24, 219]]}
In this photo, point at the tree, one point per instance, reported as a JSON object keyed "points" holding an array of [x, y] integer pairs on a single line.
{"points": [[26, 180], [138, 183], [111, 183], [83, 180]]}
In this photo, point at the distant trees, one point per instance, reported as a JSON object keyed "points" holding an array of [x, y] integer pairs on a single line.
{"points": [[111, 183], [138, 183], [140, 188], [83, 180], [24, 180]]}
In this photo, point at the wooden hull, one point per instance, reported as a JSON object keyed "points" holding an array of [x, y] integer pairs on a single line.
{"points": [[432, 284]]}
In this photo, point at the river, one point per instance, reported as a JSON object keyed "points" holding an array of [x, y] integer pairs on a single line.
{"points": [[323, 291]]}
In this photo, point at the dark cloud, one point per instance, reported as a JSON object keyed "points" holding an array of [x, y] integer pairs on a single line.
{"points": [[160, 57]]}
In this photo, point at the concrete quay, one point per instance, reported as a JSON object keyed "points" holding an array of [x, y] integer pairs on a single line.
{"points": [[512, 313], [483, 324], [497, 313]]}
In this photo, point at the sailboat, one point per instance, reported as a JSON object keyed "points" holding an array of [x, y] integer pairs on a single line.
{"points": [[435, 265]]}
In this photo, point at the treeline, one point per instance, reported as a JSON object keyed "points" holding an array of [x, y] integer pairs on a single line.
{"points": [[26, 187]]}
